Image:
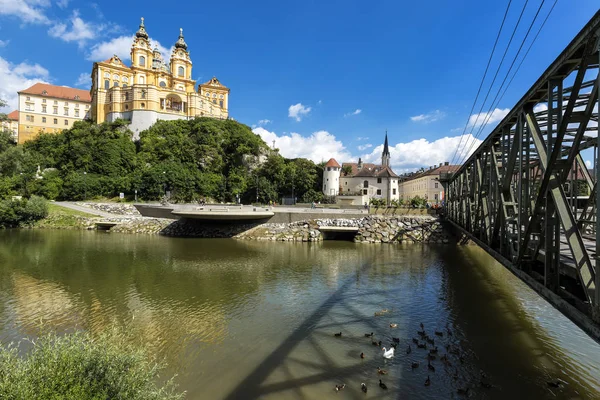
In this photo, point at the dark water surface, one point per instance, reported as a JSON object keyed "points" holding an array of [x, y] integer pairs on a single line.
{"points": [[243, 320]]}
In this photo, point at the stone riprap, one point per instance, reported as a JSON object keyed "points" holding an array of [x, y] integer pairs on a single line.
{"points": [[371, 229], [151, 226], [198, 229], [112, 208], [300, 231]]}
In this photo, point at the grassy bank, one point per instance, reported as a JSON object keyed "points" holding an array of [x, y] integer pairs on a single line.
{"points": [[65, 218]]}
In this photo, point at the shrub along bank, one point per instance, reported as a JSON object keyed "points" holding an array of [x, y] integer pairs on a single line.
{"points": [[22, 212], [79, 367]]}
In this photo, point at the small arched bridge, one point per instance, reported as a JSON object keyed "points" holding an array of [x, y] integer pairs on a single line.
{"points": [[527, 196]]}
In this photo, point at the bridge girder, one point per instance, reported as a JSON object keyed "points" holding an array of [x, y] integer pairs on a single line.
{"points": [[526, 193]]}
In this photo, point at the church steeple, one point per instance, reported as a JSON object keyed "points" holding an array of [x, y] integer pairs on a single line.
{"points": [[385, 155]]}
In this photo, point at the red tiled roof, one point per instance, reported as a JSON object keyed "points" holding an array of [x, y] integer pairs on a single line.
{"points": [[386, 172], [13, 115], [59, 92], [333, 163], [354, 167]]}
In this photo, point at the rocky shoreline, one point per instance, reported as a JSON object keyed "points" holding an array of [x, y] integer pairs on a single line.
{"points": [[370, 229]]}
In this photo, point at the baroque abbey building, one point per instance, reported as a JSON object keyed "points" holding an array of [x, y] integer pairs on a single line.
{"points": [[152, 89]]}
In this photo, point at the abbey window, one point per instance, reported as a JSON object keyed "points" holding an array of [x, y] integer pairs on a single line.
{"points": [[142, 61], [181, 71]]}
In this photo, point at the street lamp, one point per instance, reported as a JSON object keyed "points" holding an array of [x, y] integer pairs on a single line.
{"points": [[256, 189], [165, 183], [84, 185]]}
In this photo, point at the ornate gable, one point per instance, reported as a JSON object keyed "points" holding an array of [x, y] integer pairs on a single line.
{"points": [[115, 60], [214, 82]]}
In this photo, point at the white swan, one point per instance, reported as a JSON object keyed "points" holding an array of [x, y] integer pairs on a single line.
{"points": [[388, 353]]}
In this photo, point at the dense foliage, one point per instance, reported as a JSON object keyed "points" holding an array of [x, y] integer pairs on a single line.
{"points": [[194, 159], [21, 212], [77, 367]]}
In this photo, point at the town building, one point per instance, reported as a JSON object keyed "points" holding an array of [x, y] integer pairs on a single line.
{"points": [[11, 124], [331, 178], [50, 108], [152, 89], [359, 182], [426, 183]]}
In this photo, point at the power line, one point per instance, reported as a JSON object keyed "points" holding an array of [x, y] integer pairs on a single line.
{"points": [[482, 79], [495, 76], [494, 102], [528, 49]]}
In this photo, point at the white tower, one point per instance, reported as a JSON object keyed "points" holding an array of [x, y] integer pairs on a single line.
{"points": [[331, 178]]}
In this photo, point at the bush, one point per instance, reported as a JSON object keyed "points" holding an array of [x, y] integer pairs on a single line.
{"points": [[15, 213], [79, 367], [34, 209]]}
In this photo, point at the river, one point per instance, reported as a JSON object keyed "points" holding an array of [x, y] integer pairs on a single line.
{"points": [[242, 320]]}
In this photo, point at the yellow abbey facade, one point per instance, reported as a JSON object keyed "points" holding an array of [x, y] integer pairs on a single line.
{"points": [[151, 89]]}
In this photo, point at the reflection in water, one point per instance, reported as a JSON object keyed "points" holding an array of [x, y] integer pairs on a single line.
{"points": [[251, 319]]}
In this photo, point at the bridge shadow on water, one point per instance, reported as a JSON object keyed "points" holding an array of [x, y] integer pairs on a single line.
{"points": [[283, 373]]}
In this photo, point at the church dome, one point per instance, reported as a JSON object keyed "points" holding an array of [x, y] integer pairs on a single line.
{"points": [[180, 44], [141, 33]]}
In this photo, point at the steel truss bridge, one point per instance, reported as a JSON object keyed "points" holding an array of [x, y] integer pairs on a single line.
{"points": [[527, 196]]}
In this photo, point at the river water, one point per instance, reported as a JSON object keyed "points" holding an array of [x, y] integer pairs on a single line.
{"points": [[243, 320]]}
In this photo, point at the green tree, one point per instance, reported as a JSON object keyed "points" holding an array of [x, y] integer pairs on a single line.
{"points": [[346, 170], [3, 104]]}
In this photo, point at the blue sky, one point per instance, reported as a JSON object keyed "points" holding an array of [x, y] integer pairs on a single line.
{"points": [[321, 78]]}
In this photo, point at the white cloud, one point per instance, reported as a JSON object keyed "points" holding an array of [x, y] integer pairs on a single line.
{"points": [[4, 43], [406, 157], [362, 138], [80, 31], [261, 122], [121, 46], [588, 164], [62, 3], [488, 118], [319, 146], [24, 69], [29, 11], [297, 111], [429, 117], [84, 80], [14, 78], [355, 112], [320, 102], [540, 107]]}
